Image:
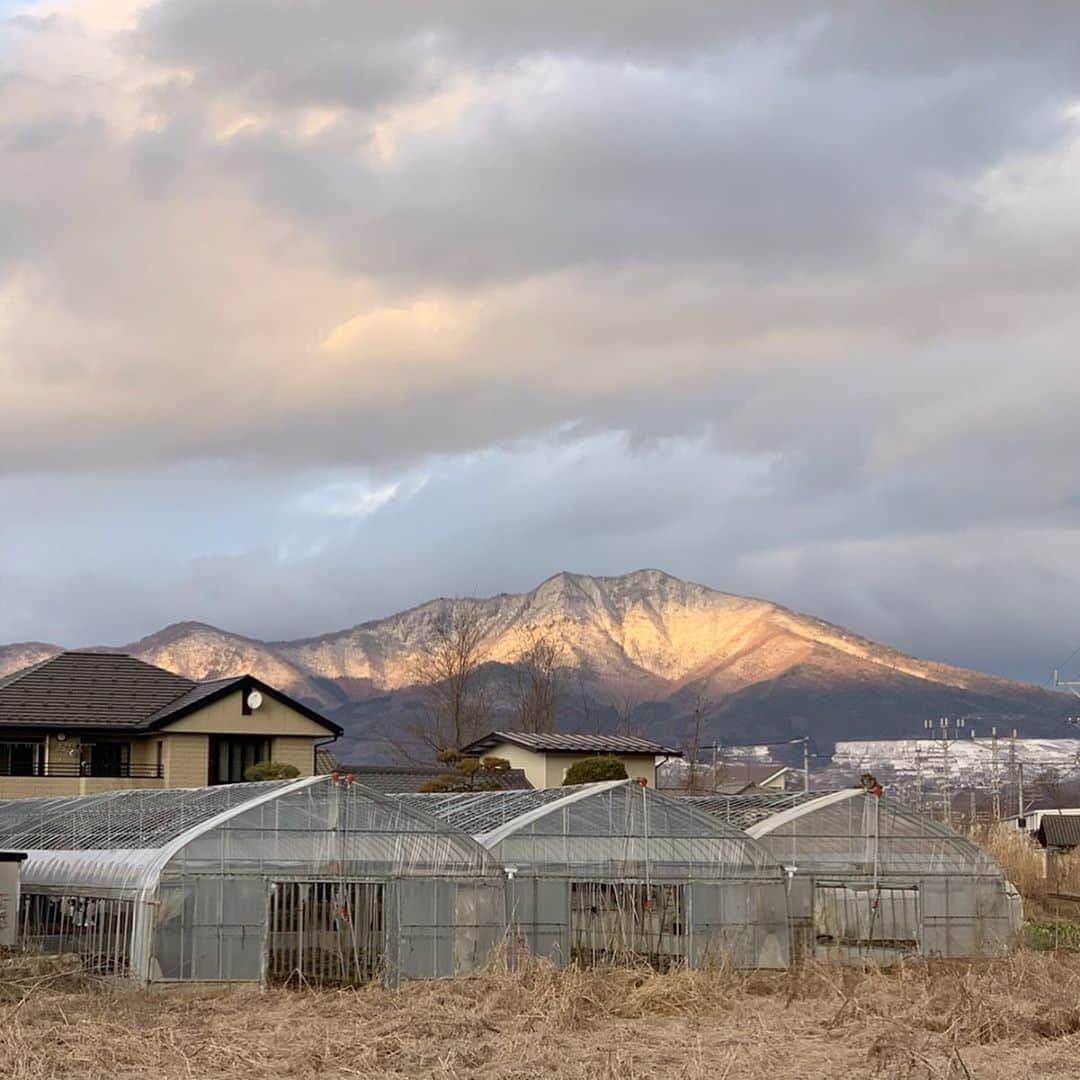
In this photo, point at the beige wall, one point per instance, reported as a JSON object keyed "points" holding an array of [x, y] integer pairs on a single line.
{"points": [[294, 751], [10, 873], [187, 760], [31, 787], [225, 717], [548, 770]]}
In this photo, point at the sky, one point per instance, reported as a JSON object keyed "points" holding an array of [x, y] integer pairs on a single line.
{"points": [[311, 312]]}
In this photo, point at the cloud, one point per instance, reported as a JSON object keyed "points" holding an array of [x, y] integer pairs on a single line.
{"points": [[742, 290]]}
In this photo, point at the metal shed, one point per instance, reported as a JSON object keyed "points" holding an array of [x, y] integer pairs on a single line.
{"points": [[616, 871], [310, 880], [871, 879]]}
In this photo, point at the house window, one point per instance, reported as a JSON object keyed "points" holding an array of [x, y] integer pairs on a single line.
{"points": [[230, 755], [105, 759], [22, 758]]}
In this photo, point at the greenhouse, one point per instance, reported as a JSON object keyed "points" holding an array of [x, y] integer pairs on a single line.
{"points": [[313, 881], [871, 879], [615, 872]]}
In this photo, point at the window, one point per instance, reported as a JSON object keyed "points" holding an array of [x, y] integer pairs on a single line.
{"points": [[22, 758], [105, 759], [230, 755]]}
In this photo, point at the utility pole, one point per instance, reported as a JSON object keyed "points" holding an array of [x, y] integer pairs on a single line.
{"points": [[945, 758], [806, 763], [1020, 820], [995, 786], [918, 777]]}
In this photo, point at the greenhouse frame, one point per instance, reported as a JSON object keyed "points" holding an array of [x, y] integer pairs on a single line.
{"points": [[616, 872], [871, 879], [314, 881]]}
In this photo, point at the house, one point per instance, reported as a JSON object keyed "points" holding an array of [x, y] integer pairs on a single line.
{"points": [[83, 722], [545, 757], [405, 779]]}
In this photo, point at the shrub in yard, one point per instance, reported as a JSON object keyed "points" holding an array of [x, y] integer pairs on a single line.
{"points": [[271, 770], [466, 773], [591, 769]]}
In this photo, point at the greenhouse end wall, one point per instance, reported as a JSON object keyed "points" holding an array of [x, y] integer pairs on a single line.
{"points": [[621, 863], [875, 880], [340, 881]]}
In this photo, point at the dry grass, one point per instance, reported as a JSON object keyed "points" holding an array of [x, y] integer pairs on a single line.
{"points": [[1010, 1018], [925, 1020], [1022, 861]]}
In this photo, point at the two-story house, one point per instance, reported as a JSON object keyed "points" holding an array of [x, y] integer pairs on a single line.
{"points": [[82, 722]]}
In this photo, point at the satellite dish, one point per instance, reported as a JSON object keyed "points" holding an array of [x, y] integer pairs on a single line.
{"points": [[254, 700]]}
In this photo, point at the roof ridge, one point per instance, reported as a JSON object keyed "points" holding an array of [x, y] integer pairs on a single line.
{"points": [[19, 673]]}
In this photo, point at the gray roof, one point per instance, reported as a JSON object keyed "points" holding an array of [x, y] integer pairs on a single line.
{"points": [[571, 743], [1059, 830], [403, 779], [93, 690], [742, 811]]}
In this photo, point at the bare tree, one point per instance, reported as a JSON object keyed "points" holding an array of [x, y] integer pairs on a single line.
{"points": [[457, 706], [626, 707], [588, 720], [540, 679], [695, 779]]}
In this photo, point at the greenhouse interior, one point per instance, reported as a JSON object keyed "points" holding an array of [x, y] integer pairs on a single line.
{"points": [[312, 880], [874, 880], [616, 871]]}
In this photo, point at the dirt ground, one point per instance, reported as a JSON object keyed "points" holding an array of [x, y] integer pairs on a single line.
{"points": [[1011, 1018]]}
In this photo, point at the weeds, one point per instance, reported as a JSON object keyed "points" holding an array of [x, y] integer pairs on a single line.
{"points": [[999, 1018]]}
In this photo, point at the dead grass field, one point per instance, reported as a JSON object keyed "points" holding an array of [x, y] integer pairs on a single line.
{"points": [[1011, 1018]]}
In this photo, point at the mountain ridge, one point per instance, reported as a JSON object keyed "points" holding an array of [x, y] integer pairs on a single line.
{"points": [[766, 669]]}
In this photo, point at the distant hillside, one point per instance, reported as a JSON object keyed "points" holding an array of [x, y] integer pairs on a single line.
{"points": [[767, 672]]}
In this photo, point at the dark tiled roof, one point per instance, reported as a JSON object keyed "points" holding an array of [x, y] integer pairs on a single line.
{"points": [[325, 762], [83, 689], [570, 743], [405, 779], [1059, 830], [114, 690]]}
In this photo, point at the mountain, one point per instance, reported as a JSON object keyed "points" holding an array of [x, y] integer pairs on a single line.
{"points": [[644, 640]]}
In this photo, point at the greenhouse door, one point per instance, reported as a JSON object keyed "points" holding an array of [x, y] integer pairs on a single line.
{"points": [[859, 922], [620, 922], [325, 933]]}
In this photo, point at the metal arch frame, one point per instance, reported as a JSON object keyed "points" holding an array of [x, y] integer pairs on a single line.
{"points": [[763, 828], [497, 835]]}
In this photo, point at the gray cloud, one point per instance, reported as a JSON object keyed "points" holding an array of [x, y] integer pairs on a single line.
{"points": [[779, 297]]}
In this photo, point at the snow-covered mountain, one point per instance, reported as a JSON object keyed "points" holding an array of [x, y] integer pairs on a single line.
{"points": [[766, 672]]}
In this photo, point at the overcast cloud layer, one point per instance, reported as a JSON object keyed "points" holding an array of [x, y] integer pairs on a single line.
{"points": [[311, 311]]}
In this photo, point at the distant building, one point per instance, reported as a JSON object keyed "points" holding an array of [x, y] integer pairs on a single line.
{"points": [[545, 757], [84, 722], [1057, 830]]}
